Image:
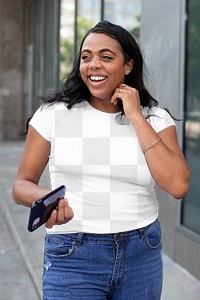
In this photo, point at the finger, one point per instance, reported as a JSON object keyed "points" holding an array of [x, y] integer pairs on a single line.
{"points": [[61, 211], [52, 219], [122, 85], [69, 214], [115, 98], [65, 212], [121, 89], [115, 101], [118, 93]]}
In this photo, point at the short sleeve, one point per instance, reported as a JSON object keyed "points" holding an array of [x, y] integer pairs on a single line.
{"points": [[160, 119], [42, 121]]}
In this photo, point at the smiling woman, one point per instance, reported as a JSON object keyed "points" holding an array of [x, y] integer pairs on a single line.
{"points": [[102, 69], [111, 247]]}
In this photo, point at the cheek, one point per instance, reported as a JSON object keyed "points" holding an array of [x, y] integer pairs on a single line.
{"points": [[119, 77], [119, 71], [81, 69], [82, 72]]}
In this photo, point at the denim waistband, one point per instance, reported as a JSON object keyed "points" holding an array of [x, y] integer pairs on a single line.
{"points": [[82, 236]]}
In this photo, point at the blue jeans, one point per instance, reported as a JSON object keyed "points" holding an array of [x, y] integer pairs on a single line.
{"points": [[122, 266]]}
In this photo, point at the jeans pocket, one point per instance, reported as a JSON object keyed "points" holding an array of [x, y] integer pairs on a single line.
{"points": [[153, 236], [59, 245]]}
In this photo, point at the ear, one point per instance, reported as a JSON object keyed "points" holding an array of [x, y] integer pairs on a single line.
{"points": [[129, 66]]}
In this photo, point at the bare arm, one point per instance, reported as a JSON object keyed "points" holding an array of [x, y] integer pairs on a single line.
{"points": [[165, 159], [25, 187], [33, 162]]}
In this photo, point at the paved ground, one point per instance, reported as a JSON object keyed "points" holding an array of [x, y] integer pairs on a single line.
{"points": [[21, 252]]}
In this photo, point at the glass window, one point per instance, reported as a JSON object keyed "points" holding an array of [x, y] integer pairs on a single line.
{"points": [[191, 203], [109, 6], [37, 29], [42, 49], [125, 13], [88, 5], [67, 35], [89, 13], [51, 46], [76, 21]]}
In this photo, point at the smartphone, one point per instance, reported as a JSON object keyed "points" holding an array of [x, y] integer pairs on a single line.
{"points": [[42, 208]]}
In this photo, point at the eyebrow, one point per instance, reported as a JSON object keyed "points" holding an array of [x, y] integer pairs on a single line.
{"points": [[100, 51]]}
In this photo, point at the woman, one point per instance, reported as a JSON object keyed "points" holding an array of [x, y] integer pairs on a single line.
{"points": [[106, 140]]}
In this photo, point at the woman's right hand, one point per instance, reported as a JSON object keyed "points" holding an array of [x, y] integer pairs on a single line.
{"points": [[61, 215]]}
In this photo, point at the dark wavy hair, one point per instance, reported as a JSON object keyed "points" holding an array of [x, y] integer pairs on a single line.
{"points": [[74, 89]]}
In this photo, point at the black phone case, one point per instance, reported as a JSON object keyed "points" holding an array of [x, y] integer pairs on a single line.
{"points": [[42, 208]]}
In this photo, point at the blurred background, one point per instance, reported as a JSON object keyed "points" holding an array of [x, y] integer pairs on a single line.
{"points": [[38, 42]]}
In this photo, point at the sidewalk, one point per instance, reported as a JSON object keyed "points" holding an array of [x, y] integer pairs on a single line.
{"points": [[21, 252]]}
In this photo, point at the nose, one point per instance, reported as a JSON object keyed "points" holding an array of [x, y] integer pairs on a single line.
{"points": [[95, 63]]}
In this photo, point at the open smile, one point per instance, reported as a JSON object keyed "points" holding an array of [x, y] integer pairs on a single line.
{"points": [[97, 78]]}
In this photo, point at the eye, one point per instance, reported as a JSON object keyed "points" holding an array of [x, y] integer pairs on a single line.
{"points": [[85, 57], [107, 57]]}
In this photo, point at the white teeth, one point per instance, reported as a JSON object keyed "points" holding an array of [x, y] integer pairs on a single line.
{"points": [[97, 78]]}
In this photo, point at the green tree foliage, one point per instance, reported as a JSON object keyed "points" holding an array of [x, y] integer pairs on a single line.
{"points": [[83, 25], [66, 57], [67, 46], [136, 30]]}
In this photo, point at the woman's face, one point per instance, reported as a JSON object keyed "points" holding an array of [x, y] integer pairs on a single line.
{"points": [[102, 65]]}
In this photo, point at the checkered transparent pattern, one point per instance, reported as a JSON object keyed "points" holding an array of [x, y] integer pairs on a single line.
{"points": [[109, 185]]}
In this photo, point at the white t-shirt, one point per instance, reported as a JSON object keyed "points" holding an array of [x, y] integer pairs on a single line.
{"points": [[109, 185]]}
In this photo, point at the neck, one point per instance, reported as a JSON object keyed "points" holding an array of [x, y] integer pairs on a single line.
{"points": [[104, 105]]}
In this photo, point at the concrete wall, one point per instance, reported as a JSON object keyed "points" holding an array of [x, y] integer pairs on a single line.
{"points": [[162, 42], [12, 63]]}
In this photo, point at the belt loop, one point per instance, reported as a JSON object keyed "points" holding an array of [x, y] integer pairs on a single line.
{"points": [[142, 232], [79, 239]]}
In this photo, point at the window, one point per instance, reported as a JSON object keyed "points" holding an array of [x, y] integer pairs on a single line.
{"points": [[88, 16], [37, 44], [125, 13], [67, 35], [77, 17], [56, 28], [51, 48], [191, 203], [42, 50]]}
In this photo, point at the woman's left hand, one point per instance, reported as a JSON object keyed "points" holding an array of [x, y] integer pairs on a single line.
{"points": [[130, 99]]}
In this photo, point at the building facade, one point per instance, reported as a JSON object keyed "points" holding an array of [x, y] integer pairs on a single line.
{"points": [[40, 38]]}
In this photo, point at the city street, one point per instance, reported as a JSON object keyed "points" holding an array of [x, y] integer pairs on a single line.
{"points": [[21, 252]]}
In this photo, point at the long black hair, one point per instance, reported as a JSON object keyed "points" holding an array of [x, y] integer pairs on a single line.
{"points": [[74, 89]]}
